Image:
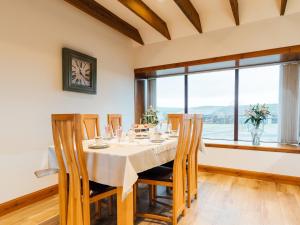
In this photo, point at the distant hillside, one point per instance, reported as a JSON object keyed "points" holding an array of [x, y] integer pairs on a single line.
{"points": [[206, 110]]}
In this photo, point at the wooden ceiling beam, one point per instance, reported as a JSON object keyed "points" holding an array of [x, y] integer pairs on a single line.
{"points": [[190, 12], [283, 7], [149, 16], [235, 11], [102, 14]]}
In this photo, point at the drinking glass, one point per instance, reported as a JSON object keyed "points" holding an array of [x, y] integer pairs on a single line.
{"points": [[119, 133], [98, 140], [108, 132], [169, 127], [161, 124], [131, 135]]}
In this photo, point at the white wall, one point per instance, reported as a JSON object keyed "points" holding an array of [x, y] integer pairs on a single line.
{"points": [[261, 35], [32, 34], [268, 162]]}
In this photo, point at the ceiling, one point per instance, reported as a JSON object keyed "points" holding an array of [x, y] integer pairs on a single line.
{"points": [[214, 15]]}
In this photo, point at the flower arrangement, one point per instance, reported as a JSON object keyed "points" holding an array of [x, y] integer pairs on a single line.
{"points": [[257, 114], [150, 116]]}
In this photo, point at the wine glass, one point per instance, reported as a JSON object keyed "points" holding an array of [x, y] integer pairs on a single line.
{"points": [[119, 132], [131, 135], [169, 128], [108, 132]]}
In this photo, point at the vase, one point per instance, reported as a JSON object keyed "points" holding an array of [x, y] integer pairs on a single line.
{"points": [[151, 125], [256, 133]]}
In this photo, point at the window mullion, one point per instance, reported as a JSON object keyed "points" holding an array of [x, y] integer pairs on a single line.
{"points": [[186, 91], [236, 105]]}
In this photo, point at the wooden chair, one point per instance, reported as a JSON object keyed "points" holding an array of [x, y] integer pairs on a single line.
{"points": [[171, 177], [76, 192], [174, 120], [192, 159], [90, 124], [114, 121]]}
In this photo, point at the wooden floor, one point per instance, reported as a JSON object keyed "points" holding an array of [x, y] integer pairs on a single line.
{"points": [[223, 200]]}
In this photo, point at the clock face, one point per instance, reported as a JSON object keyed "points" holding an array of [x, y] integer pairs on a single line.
{"points": [[81, 73]]}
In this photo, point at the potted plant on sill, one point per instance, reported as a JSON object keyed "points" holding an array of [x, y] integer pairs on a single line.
{"points": [[256, 117]]}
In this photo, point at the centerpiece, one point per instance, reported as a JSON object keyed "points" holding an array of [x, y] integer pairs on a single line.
{"points": [[256, 117], [150, 117]]}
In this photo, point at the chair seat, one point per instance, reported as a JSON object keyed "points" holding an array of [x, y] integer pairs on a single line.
{"points": [[169, 164], [160, 173], [96, 188]]}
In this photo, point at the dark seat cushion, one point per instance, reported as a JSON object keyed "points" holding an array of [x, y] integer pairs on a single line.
{"points": [[96, 188], [169, 164], [160, 173]]}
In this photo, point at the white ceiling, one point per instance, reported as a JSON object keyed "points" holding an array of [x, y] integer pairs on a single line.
{"points": [[214, 15]]}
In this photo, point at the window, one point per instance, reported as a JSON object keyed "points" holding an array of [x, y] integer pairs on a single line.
{"points": [[259, 85], [212, 95], [212, 90], [169, 95]]}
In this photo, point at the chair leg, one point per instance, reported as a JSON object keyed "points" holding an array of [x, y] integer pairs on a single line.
{"points": [[155, 191], [150, 194], [98, 208], [135, 186], [110, 205], [154, 194], [174, 218]]}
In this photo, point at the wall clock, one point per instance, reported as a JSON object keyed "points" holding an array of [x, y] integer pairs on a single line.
{"points": [[79, 72]]}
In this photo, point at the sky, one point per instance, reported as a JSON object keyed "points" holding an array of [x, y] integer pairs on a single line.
{"points": [[257, 85]]}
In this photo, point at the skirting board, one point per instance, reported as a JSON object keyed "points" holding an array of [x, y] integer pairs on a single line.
{"points": [[25, 200], [28, 199], [251, 174]]}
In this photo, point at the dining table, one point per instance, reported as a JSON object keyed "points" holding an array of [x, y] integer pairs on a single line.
{"points": [[119, 163]]}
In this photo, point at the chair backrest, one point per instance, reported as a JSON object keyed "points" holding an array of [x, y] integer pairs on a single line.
{"points": [[114, 121], [179, 167], [90, 124], [196, 135], [192, 157], [174, 121], [74, 187]]}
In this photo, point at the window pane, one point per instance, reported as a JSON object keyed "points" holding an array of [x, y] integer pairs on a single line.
{"points": [[169, 95], [259, 85], [212, 66], [260, 60], [170, 71], [212, 94]]}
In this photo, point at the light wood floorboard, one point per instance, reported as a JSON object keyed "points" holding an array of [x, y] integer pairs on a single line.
{"points": [[223, 200]]}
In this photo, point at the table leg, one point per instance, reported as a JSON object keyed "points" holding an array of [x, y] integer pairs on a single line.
{"points": [[124, 208]]}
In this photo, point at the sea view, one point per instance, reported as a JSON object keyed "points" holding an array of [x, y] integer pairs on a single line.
{"points": [[218, 121]]}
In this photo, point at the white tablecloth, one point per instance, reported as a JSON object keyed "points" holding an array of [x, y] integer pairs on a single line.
{"points": [[119, 164]]}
